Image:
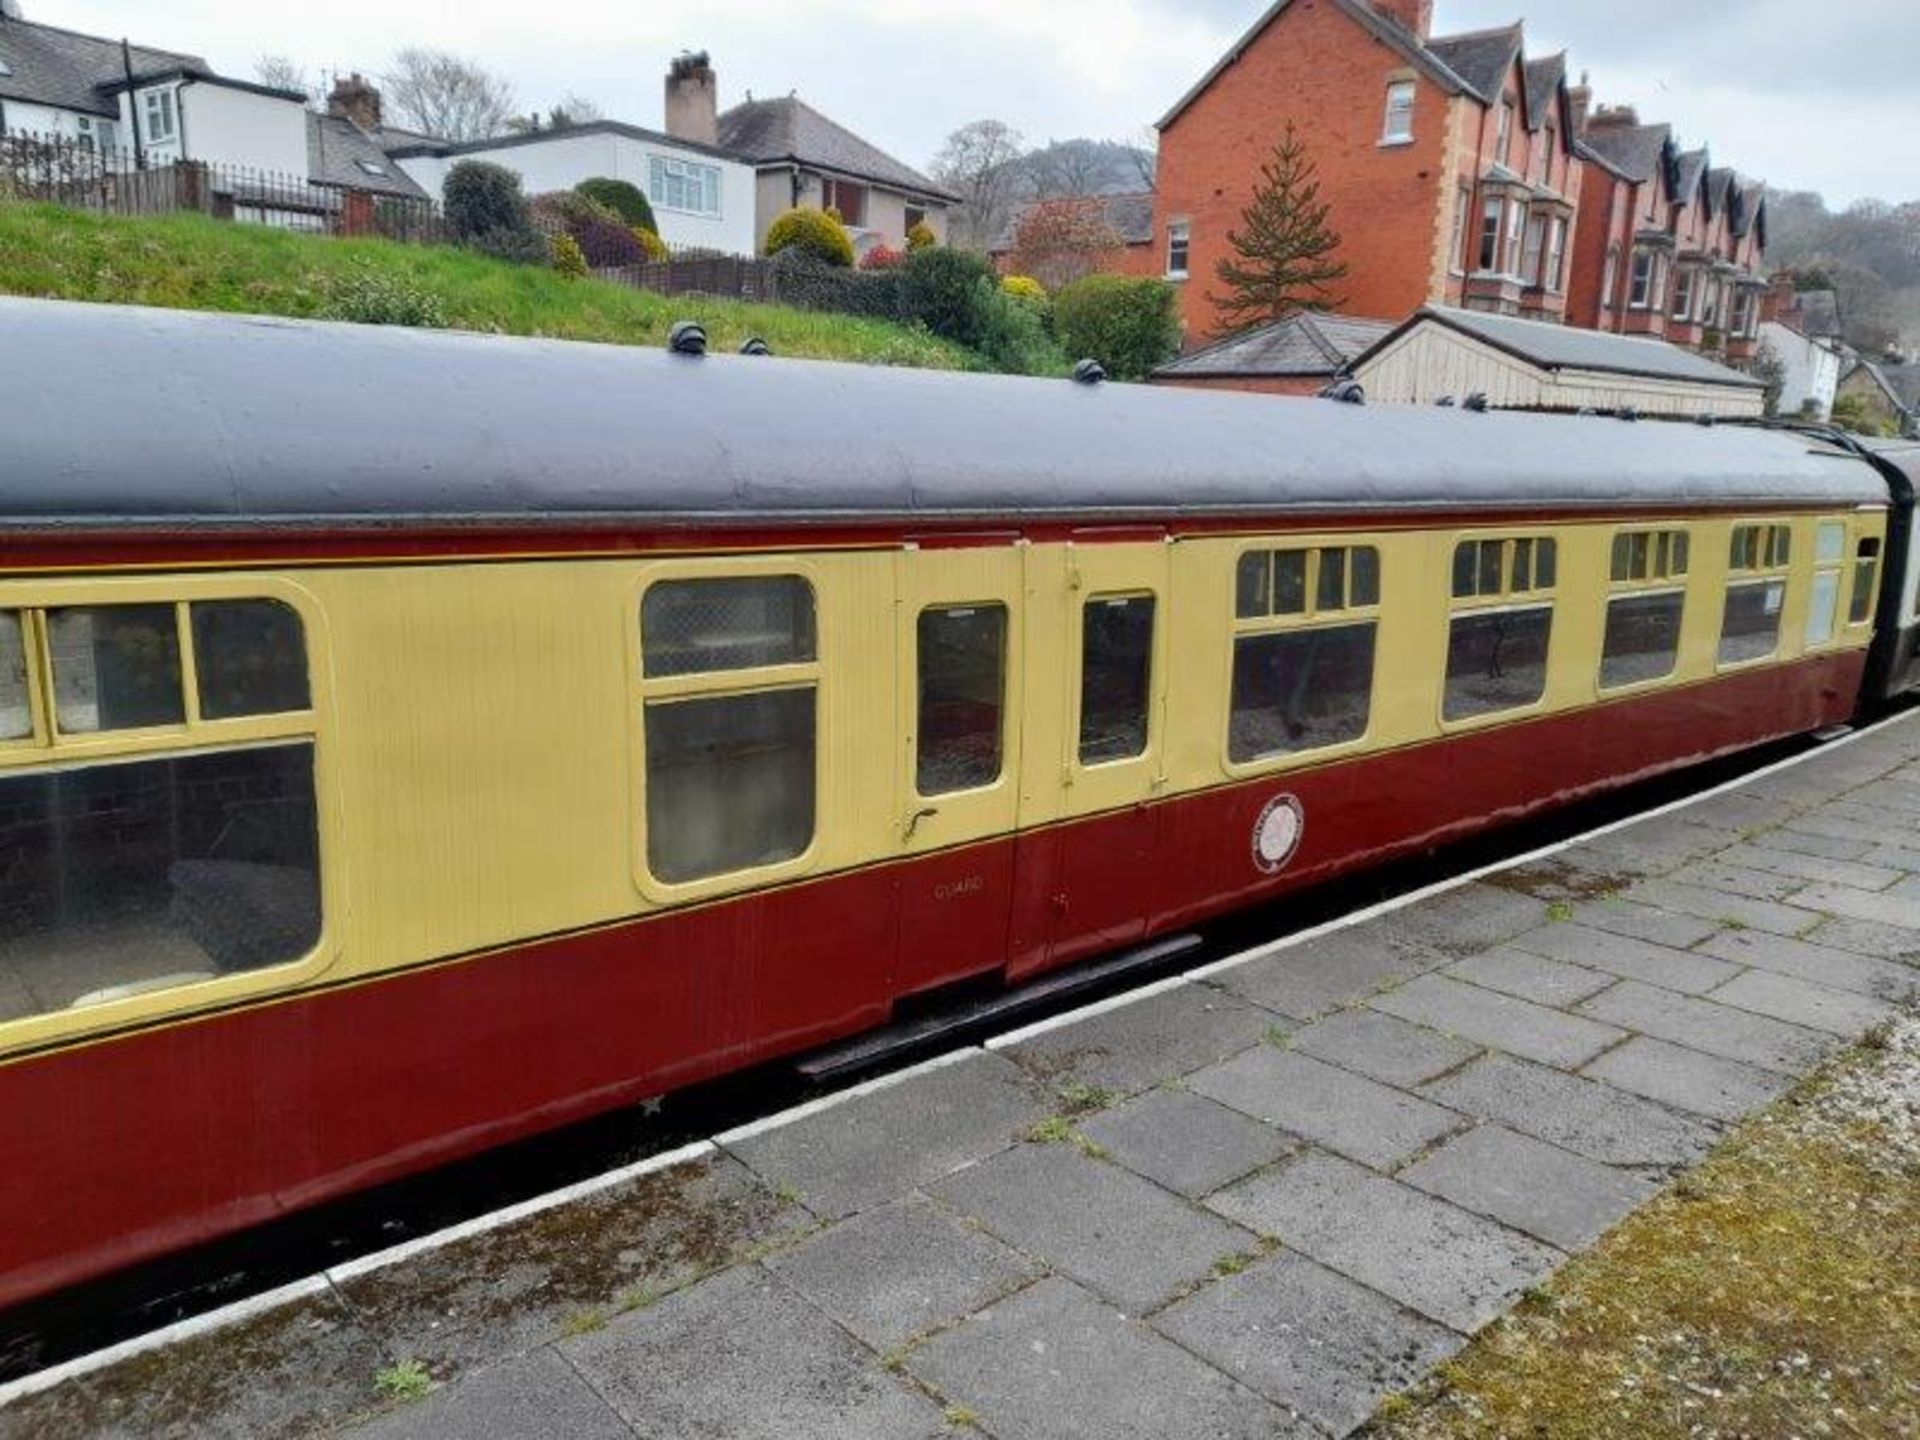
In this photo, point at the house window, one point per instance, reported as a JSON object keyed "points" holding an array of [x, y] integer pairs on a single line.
{"points": [[1641, 295], [1647, 604], [1742, 312], [1490, 212], [1456, 249], [160, 833], [684, 185], [1502, 628], [1549, 137], [848, 198], [1536, 245], [1557, 253], [1303, 650], [1179, 239], [963, 687], [1503, 141], [1683, 294], [914, 216], [1756, 589], [730, 681], [162, 123], [1516, 231], [1116, 677], [1609, 278], [1399, 123]]}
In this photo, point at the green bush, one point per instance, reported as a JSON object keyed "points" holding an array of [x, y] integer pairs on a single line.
{"points": [[941, 289], [486, 211], [1024, 287], [368, 296], [1013, 333], [568, 258], [652, 244], [1128, 324], [603, 237], [921, 237], [811, 232], [623, 198], [801, 280]]}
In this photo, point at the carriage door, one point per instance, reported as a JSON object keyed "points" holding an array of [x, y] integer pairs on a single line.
{"points": [[1086, 883], [960, 707]]}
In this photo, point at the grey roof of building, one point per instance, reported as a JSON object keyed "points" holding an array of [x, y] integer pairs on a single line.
{"points": [[46, 65], [1546, 77], [1567, 347], [404, 145], [1482, 58], [1720, 189], [340, 153], [265, 423], [1633, 151], [1129, 216], [1749, 207], [1389, 32], [1690, 169], [1301, 345], [788, 129], [1904, 382], [1819, 313]]}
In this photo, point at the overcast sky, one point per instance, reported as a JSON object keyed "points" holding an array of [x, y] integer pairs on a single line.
{"points": [[1821, 98]]}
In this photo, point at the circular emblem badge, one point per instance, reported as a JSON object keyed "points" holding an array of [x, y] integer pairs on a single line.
{"points": [[1276, 834]]}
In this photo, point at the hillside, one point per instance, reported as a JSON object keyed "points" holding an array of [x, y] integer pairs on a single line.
{"points": [[189, 262]]}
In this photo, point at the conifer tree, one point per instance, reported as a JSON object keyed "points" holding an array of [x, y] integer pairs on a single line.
{"points": [[1284, 251]]}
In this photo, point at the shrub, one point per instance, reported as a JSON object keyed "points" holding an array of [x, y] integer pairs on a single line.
{"points": [[366, 295], [1024, 287], [603, 237], [1127, 324], [882, 258], [1058, 241], [941, 289], [802, 280], [1013, 333], [921, 237], [812, 232], [652, 244], [486, 211], [623, 198], [568, 258]]}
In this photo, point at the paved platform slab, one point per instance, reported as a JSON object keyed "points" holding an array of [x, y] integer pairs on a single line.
{"points": [[1247, 1204]]}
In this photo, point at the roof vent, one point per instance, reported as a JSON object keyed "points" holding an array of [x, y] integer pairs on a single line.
{"points": [[1476, 402], [687, 337], [1347, 392], [1445, 402], [754, 345], [1089, 372]]}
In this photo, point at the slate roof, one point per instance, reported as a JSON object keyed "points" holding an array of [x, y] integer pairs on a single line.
{"points": [[1632, 151], [1299, 346], [1749, 207], [1482, 58], [340, 153], [1130, 216], [46, 65], [1567, 347], [766, 132], [1689, 168], [402, 143], [1819, 313], [1545, 77], [486, 430]]}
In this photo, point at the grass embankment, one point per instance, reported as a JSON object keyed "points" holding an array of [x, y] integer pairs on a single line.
{"points": [[190, 262], [1774, 1291]]}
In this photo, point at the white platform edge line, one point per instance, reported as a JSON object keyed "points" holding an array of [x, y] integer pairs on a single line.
{"points": [[727, 1138], [173, 1334], [494, 1219], [241, 1310], [1087, 1012]]}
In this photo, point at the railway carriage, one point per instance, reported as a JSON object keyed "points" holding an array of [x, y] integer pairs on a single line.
{"points": [[409, 742]]}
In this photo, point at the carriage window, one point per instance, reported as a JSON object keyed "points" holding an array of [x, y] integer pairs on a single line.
{"points": [[249, 658], [1497, 660], [1487, 569], [1757, 559], [115, 667], [16, 705], [1823, 602], [690, 627], [1646, 607], [1116, 677], [1866, 569], [1649, 555], [730, 766], [962, 681], [1300, 683]]}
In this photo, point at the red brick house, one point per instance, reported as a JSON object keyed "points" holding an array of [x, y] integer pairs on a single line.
{"points": [[1128, 216], [1450, 163]]}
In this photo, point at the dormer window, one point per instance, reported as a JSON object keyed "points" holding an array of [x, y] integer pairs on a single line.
{"points": [[1503, 143], [1398, 129]]}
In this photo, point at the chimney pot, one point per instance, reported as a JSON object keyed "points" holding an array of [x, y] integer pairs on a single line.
{"points": [[1415, 16], [693, 108], [354, 99]]}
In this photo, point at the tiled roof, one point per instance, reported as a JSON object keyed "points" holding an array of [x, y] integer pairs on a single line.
{"points": [[1545, 77], [45, 65], [1301, 345], [1899, 383], [766, 131], [340, 153], [1567, 347], [1689, 169], [1633, 151], [1130, 217], [1482, 58], [403, 143]]}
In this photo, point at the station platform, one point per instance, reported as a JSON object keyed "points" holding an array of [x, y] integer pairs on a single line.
{"points": [[1252, 1200]]}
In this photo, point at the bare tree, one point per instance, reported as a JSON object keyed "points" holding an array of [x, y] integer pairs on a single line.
{"points": [[978, 162], [1066, 169], [441, 94], [283, 72], [1143, 149]]}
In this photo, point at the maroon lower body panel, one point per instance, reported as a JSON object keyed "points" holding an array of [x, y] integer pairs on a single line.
{"points": [[125, 1148]]}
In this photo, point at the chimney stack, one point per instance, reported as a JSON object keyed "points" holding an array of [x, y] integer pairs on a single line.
{"points": [[355, 99], [1415, 16], [693, 99], [1580, 100], [1614, 117]]}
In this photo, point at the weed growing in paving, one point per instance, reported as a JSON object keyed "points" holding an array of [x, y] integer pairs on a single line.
{"points": [[1560, 912], [1231, 1264], [960, 1417], [406, 1380], [1082, 1098], [1058, 1130], [583, 1322]]}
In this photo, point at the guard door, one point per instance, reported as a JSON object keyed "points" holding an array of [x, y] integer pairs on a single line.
{"points": [[1087, 881], [960, 702]]}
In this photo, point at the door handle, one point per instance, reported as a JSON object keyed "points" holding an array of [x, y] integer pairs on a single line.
{"points": [[913, 820]]}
